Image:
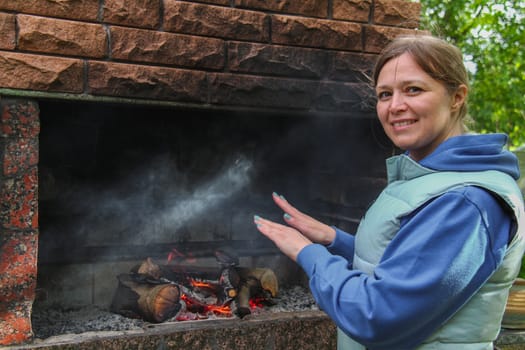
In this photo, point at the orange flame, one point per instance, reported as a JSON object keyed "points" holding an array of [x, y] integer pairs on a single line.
{"points": [[198, 307], [200, 284]]}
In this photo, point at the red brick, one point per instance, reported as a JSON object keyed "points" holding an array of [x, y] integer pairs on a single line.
{"points": [[352, 10], [125, 80], [257, 91], [19, 119], [25, 71], [19, 202], [72, 9], [310, 32], [309, 8], [215, 21], [377, 37], [8, 30], [276, 60], [135, 13], [62, 37], [400, 13], [166, 48]]}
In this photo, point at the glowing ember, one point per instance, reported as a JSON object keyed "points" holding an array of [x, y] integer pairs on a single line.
{"points": [[195, 306], [257, 302], [199, 284]]}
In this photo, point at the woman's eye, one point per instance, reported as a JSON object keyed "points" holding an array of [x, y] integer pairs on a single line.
{"points": [[383, 95], [413, 89]]}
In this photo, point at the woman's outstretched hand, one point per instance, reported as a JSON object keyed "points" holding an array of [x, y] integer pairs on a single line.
{"points": [[303, 229], [286, 238], [313, 229]]}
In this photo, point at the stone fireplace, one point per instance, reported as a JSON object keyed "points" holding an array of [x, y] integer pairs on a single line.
{"points": [[118, 116]]}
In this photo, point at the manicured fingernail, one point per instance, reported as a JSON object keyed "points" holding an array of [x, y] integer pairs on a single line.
{"points": [[256, 218], [258, 225], [287, 216], [279, 195]]}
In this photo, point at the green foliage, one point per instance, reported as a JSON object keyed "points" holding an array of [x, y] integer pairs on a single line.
{"points": [[491, 35]]}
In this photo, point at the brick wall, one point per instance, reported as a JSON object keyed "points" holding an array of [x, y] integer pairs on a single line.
{"points": [[294, 56], [306, 55]]}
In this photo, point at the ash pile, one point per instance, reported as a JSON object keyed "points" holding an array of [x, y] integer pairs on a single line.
{"points": [[49, 322], [154, 293]]}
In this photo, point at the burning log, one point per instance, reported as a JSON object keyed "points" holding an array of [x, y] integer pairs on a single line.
{"points": [[157, 292], [221, 283], [139, 296], [256, 282]]}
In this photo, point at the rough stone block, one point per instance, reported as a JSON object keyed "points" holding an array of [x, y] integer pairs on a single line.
{"points": [[167, 48], [328, 34], [135, 13], [217, 2], [400, 13], [310, 8], [215, 21], [8, 30], [352, 10], [351, 67], [256, 91], [62, 37], [377, 37], [124, 80], [24, 71], [74, 9], [343, 97], [276, 60]]}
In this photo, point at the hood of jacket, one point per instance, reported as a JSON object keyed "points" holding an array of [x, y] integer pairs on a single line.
{"points": [[472, 152]]}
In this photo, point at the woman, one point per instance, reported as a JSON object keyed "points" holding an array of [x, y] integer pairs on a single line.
{"points": [[434, 257]]}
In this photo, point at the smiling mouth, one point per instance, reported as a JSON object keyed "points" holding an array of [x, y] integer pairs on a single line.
{"points": [[403, 123]]}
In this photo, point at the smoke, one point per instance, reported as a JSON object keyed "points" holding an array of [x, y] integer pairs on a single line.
{"points": [[153, 202], [207, 196]]}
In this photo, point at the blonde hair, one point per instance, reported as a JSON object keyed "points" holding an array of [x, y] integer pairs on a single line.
{"points": [[438, 58]]}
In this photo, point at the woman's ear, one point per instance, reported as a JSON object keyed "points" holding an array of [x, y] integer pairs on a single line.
{"points": [[459, 97]]}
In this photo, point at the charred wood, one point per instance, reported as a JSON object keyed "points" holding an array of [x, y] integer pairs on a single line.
{"points": [[155, 292], [140, 296]]}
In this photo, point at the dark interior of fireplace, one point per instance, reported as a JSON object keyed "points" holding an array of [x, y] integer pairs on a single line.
{"points": [[120, 183]]}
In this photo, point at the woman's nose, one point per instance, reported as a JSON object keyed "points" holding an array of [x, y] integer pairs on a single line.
{"points": [[397, 103]]}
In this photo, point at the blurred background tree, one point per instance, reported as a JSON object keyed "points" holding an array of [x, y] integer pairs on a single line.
{"points": [[491, 35]]}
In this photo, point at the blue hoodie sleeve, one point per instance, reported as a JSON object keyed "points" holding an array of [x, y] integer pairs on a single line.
{"points": [[342, 245], [442, 254]]}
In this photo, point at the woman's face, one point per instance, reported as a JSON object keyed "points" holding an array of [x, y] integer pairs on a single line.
{"points": [[416, 111]]}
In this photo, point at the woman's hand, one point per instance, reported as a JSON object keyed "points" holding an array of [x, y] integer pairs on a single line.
{"points": [[303, 231], [313, 229], [287, 239]]}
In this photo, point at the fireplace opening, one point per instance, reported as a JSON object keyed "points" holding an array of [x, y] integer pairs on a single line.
{"points": [[119, 184]]}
